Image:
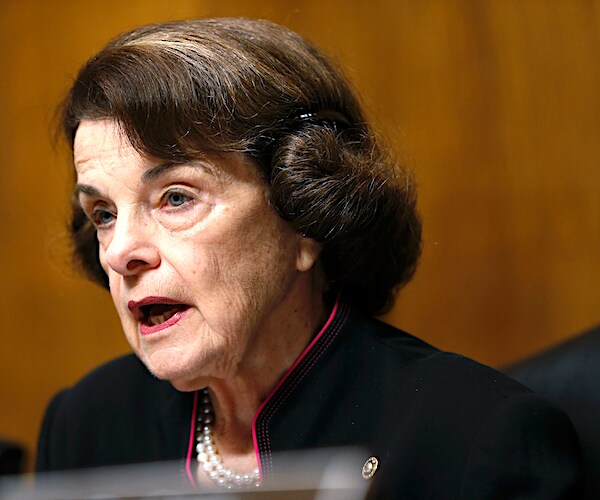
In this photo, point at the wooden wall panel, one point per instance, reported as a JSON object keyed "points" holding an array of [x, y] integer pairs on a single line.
{"points": [[497, 104]]}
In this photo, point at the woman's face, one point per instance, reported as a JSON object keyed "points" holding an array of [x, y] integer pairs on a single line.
{"points": [[200, 267]]}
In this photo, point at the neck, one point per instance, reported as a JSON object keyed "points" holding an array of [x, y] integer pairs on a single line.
{"points": [[276, 347]]}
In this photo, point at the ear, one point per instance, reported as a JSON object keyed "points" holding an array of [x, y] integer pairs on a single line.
{"points": [[308, 253]]}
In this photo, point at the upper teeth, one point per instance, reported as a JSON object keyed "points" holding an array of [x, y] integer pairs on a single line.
{"points": [[157, 319]]}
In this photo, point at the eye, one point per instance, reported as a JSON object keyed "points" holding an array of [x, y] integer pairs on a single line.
{"points": [[102, 217], [176, 198]]}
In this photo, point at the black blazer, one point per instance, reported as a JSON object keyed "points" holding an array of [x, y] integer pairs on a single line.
{"points": [[440, 425]]}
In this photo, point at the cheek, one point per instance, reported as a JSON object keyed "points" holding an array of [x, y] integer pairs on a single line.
{"points": [[240, 266], [102, 259], [266, 255], [115, 292], [114, 284]]}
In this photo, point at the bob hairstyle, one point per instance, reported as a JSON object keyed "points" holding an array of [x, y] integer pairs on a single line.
{"points": [[183, 90]]}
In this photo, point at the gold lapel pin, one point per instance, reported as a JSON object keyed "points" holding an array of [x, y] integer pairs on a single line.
{"points": [[370, 467]]}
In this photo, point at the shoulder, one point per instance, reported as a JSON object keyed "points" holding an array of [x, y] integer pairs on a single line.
{"points": [[128, 366], [122, 380], [491, 435], [378, 370], [449, 392], [115, 414], [418, 366]]}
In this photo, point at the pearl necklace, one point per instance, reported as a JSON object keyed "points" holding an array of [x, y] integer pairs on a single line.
{"points": [[208, 456]]}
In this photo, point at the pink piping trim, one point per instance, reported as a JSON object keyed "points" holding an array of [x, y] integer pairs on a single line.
{"points": [[285, 377], [188, 460]]}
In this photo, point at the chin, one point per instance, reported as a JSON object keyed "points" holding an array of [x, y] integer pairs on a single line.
{"points": [[185, 385], [171, 368]]}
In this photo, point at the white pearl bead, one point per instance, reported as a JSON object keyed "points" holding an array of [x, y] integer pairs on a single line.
{"points": [[208, 456]]}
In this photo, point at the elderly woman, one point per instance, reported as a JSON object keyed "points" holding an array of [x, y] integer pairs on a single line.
{"points": [[249, 224]]}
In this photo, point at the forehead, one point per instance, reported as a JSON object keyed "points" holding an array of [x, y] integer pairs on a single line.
{"points": [[102, 143], [101, 147]]}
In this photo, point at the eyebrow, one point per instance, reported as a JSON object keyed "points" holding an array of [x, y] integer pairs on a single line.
{"points": [[86, 189], [148, 176], [153, 173]]}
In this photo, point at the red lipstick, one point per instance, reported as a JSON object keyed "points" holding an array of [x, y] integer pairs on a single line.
{"points": [[157, 313]]}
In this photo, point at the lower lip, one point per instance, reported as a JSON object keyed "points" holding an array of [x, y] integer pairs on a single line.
{"points": [[148, 330]]}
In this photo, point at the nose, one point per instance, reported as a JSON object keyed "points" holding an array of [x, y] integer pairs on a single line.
{"points": [[131, 249]]}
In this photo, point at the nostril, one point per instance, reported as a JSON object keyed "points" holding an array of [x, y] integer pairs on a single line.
{"points": [[132, 265], [131, 249]]}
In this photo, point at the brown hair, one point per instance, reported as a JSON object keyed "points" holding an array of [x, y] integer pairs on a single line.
{"points": [[180, 90]]}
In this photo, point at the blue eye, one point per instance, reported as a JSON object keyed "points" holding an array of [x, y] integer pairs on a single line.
{"points": [[102, 217], [176, 199]]}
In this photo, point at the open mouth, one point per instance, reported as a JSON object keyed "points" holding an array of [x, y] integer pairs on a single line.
{"points": [[157, 314]]}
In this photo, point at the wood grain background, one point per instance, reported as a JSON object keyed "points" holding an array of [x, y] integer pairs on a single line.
{"points": [[496, 104]]}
